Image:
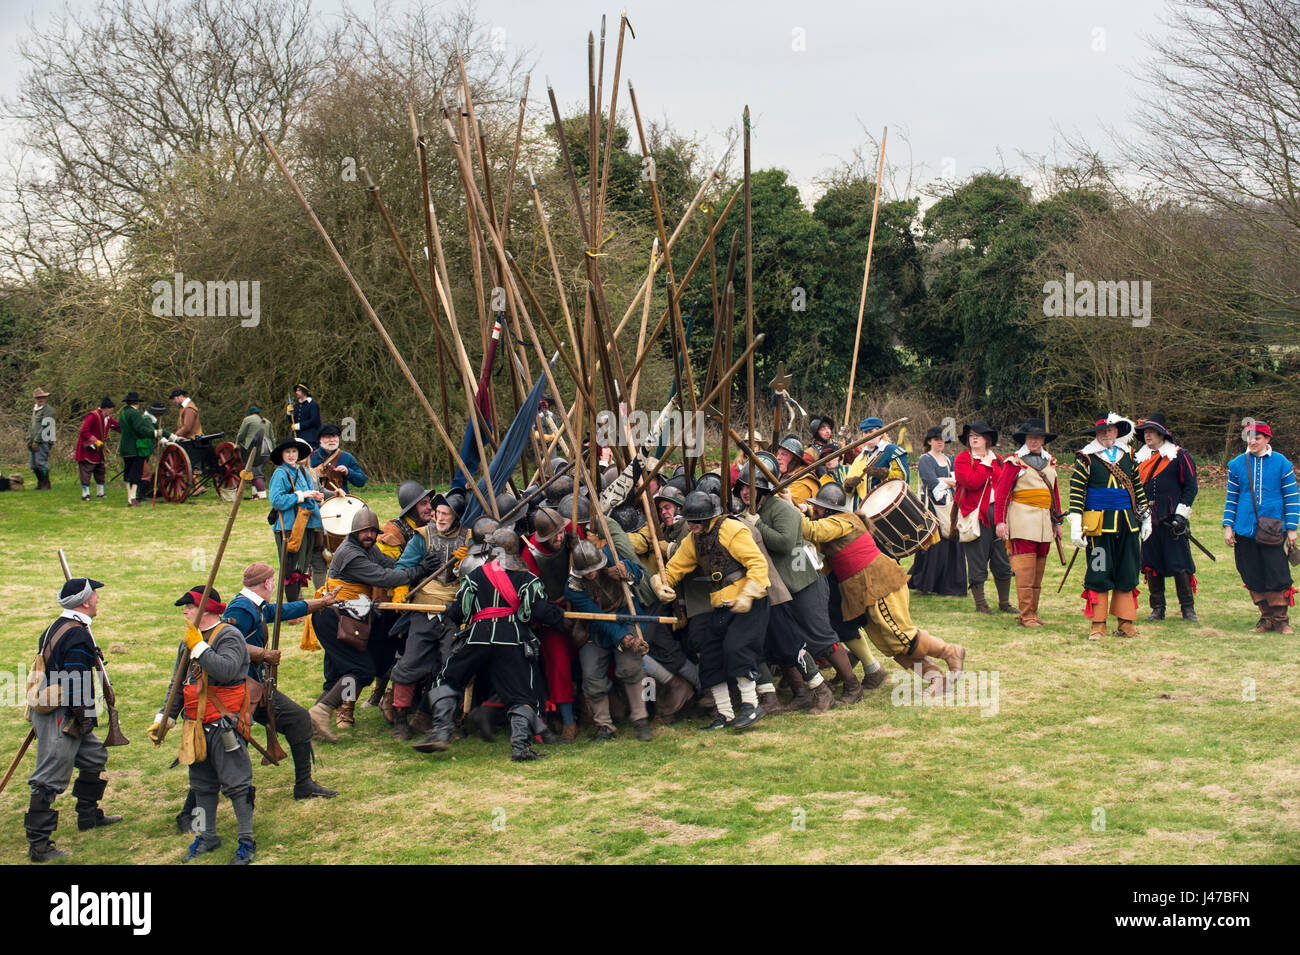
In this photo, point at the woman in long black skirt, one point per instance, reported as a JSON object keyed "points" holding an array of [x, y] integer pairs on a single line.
{"points": [[941, 568]]}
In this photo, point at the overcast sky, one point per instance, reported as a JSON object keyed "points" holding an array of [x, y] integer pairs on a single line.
{"points": [[962, 85]]}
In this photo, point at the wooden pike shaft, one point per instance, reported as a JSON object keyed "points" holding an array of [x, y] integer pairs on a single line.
{"points": [[866, 274], [645, 321], [609, 125], [796, 475], [504, 225], [568, 614], [749, 303], [370, 312]]}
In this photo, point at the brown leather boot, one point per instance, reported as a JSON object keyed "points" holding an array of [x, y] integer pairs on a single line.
{"points": [[569, 733], [1004, 594], [345, 717], [1124, 608], [981, 603], [1023, 567], [320, 724], [1100, 614], [822, 697], [386, 704], [802, 698], [852, 691], [953, 654], [676, 694], [421, 722], [1040, 569], [1265, 622], [1277, 607], [931, 675], [770, 702]]}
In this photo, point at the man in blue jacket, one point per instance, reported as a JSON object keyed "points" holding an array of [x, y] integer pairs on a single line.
{"points": [[1251, 527], [304, 415], [343, 470]]}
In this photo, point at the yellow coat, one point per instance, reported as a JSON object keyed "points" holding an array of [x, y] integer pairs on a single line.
{"points": [[739, 543]]}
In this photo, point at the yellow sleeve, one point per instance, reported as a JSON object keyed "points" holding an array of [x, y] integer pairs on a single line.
{"points": [[829, 528], [640, 542], [681, 563], [804, 488], [389, 549], [739, 542]]}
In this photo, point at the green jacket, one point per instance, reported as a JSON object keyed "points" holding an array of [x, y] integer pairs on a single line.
{"points": [[250, 426], [41, 430], [781, 525], [137, 434]]}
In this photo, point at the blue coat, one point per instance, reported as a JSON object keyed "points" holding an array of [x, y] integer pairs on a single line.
{"points": [[251, 620], [306, 414], [1276, 494], [285, 483], [356, 477], [606, 633]]}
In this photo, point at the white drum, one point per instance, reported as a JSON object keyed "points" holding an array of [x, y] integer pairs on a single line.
{"points": [[336, 514], [897, 520]]}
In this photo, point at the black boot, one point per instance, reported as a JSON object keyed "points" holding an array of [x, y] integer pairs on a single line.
{"points": [[304, 787], [185, 818], [481, 719], [40, 823], [401, 726], [1186, 596], [89, 790], [521, 735], [1156, 588]]}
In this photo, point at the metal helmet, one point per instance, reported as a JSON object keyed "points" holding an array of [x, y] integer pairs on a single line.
{"points": [[456, 500], [832, 497], [586, 558], [562, 487], [670, 493], [709, 483], [364, 519], [482, 528], [700, 506], [547, 522], [792, 444], [409, 494], [556, 464], [608, 476], [677, 481], [506, 503], [504, 540], [584, 510], [761, 481], [629, 517]]}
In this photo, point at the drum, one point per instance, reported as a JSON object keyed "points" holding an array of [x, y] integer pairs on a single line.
{"points": [[898, 520], [336, 516]]}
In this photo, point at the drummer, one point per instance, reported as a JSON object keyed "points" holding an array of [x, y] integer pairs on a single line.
{"points": [[344, 470]]}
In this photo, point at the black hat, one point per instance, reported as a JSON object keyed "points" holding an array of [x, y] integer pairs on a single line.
{"points": [[831, 496], [1030, 427], [934, 432], [76, 591], [157, 408], [409, 494], [329, 429], [180, 393], [815, 424], [106, 402], [303, 388], [131, 398], [1156, 422], [192, 596], [304, 450], [979, 426], [1122, 426]]}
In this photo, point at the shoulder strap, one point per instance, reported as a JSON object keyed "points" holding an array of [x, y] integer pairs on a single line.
{"points": [[1250, 481], [56, 636]]}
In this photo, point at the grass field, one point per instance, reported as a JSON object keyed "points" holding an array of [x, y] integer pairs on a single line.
{"points": [[1170, 748]]}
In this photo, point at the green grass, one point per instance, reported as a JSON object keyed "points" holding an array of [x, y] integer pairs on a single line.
{"points": [[1154, 732]]}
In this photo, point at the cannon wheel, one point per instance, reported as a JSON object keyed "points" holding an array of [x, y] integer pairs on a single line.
{"points": [[174, 474], [226, 477]]}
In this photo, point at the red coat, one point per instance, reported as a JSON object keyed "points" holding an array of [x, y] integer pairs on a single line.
{"points": [[94, 427], [975, 483]]}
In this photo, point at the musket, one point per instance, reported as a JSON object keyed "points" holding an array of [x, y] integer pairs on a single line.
{"points": [[277, 753], [115, 735], [251, 456], [22, 751], [1067, 569]]}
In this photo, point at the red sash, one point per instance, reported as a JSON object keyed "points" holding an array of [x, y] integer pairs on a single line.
{"points": [[855, 557], [501, 581]]}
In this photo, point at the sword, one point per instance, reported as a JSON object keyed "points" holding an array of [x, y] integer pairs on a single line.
{"points": [[1069, 568], [1188, 535]]}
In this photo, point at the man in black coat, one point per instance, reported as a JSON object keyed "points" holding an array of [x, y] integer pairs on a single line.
{"points": [[1168, 477]]}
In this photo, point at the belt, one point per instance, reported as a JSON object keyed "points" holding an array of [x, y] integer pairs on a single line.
{"points": [[1033, 497]]}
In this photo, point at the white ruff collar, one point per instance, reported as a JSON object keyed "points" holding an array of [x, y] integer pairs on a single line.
{"points": [[1167, 450], [1024, 449], [1094, 446]]}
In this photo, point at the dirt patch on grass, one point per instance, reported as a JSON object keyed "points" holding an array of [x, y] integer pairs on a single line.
{"points": [[677, 833]]}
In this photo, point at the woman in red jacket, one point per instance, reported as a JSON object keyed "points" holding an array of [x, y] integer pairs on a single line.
{"points": [[977, 469]]}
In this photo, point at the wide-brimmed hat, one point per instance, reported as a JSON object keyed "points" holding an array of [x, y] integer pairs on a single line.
{"points": [[979, 426], [1156, 422], [1122, 425], [131, 398], [1031, 427], [303, 388], [157, 408], [304, 450], [934, 432], [40, 393]]}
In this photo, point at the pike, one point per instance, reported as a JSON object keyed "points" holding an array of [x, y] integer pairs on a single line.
{"points": [[866, 274], [749, 306], [274, 750], [839, 451], [568, 614], [370, 313], [115, 735]]}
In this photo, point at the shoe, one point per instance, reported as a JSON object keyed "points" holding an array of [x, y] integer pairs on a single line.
{"points": [[643, 732], [1157, 613], [49, 853], [385, 703], [874, 678], [201, 845], [345, 717], [747, 716], [770, 702], [569, 733], [312, 790], [421, 722], [434, 741], [852, 693], [481, 720], [1126, 629], [1004, 595], [320, 724], [823, 698], [1189, 613], [547, 737], [86, 823], [244, 854], [1097, 630], [604, 734], [525, 754], [719, 722], [981, 602]]}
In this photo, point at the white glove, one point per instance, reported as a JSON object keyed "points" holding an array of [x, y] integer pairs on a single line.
{"points": [[662, 590], [1076, 530], [1146, 527], [296, 426]]}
